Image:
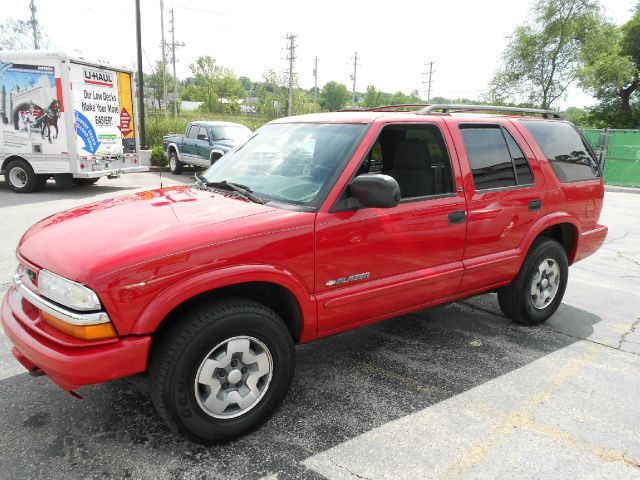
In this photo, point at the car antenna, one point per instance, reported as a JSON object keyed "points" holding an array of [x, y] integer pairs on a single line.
{"points": [[160, 170]]}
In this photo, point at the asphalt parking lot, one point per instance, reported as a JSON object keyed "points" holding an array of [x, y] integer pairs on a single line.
{"points": [[452, 392]]}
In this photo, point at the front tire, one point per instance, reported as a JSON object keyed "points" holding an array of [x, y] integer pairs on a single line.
{"points": [[536, 292], [222, 369], [21, 178], [175, 165]]}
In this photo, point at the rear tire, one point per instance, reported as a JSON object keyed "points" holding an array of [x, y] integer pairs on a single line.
{"points": [[21, 178], [83, 182], [222, 369], [536, 292], [175, 165]]}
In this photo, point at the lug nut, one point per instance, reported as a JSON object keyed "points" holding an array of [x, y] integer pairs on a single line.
{"points": [[225, 386], [234, 363], [244, 370], [222, 373]]}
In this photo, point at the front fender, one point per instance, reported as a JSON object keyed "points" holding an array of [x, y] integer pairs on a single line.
{"points": [[178, 293]]}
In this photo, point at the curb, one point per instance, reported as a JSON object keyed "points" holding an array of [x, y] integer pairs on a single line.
{"points": [[158, 169], [615, 188]]}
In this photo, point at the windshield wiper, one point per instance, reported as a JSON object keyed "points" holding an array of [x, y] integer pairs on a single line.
{"points": [[242, 190]]}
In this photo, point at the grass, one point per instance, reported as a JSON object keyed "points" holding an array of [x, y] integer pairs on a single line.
{"points": [[157, 125]]}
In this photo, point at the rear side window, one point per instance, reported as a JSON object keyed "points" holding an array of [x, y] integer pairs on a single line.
{"points": [[571, 158], [495, 158]]}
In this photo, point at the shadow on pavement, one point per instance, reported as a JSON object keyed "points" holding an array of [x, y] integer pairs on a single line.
{"points": [[344, 386]]}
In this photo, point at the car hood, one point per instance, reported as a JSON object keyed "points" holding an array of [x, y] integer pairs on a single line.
{"points": [[98, 238]]}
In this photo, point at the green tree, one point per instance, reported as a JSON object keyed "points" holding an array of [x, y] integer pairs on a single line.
{"points": [[373, 97], [18, 35], [334, 96], [611, 72], [154, 86], [206, 72], [544, 57]]}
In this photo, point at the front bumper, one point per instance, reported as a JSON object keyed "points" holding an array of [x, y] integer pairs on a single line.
{"points": [[68, 364]]}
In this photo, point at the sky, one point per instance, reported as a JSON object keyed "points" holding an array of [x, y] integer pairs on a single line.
{"points": [[394, 40]]}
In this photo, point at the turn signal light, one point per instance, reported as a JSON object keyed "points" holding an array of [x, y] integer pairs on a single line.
{"points": [[84, 332]]}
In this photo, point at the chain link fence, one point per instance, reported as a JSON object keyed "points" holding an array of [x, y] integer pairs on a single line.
{"points": [[622, 154]]}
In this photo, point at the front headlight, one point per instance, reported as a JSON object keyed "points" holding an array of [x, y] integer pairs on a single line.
{"points": [[67, 293]]}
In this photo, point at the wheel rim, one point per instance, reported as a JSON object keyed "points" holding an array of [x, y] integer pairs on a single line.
{"points": [[545, 283], [172, 162], [233, 377], [18, 177]]}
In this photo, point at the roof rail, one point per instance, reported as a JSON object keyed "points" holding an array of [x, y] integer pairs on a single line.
{"points": [[447, 108], [393, 108]]}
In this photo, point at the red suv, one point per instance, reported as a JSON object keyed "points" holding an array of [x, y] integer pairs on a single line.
{"points": [[316, 225]]}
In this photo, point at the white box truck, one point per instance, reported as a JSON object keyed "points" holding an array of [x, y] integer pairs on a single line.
{"points": [[65, 118]]}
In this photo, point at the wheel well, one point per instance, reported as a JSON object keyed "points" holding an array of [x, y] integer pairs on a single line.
{"points": [[172, 149], [215, 156], [10, 159], [565, 235], [271, 295]]}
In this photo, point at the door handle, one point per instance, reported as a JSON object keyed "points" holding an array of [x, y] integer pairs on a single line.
{"points": [[535, 205], [457, 216]]}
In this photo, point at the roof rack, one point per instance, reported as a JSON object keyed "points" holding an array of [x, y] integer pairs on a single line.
{"points": [[393, 108], [447, 108]]}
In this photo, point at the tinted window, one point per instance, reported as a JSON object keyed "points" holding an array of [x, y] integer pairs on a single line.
{"points": [[489, 157], [416, 156], [193, 131], [565, 149], [523, 172]]}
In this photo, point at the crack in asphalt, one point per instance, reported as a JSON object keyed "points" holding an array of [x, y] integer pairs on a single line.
{"points": [[631, 330], [624, 235], [347, 469]]}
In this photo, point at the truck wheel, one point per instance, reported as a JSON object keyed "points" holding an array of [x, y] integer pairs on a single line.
{"points": [[175, 165], [536, 292], [83, 182], [222, 369], [21, 178]]}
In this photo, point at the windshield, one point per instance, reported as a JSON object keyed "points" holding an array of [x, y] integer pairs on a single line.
{"points": [[288, 162], [230, 132]]}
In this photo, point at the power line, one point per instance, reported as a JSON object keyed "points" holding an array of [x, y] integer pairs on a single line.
{"points": [[34, 25], [164, 58], [315, 84], [354, 59], [291, 56], [173, 47], [430, 78]]}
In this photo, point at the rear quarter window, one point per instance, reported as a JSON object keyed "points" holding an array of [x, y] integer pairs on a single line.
{"points": [[571, 158]]}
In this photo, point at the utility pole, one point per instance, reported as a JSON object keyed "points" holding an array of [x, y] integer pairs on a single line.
{"points": [[164, 58], [430, 74], [353, 77], [143, 138], [34, 25], [291, 56], [173, 47], [315, 84]]}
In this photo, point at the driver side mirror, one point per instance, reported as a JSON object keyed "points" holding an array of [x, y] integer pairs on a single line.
{"points": [[377, 190], [203, 137]]}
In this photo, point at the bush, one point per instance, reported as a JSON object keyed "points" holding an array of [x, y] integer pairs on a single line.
{"points": [[157, 157]]}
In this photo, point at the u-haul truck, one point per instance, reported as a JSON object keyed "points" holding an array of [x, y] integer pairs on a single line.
{"points": [[65, 118]]}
